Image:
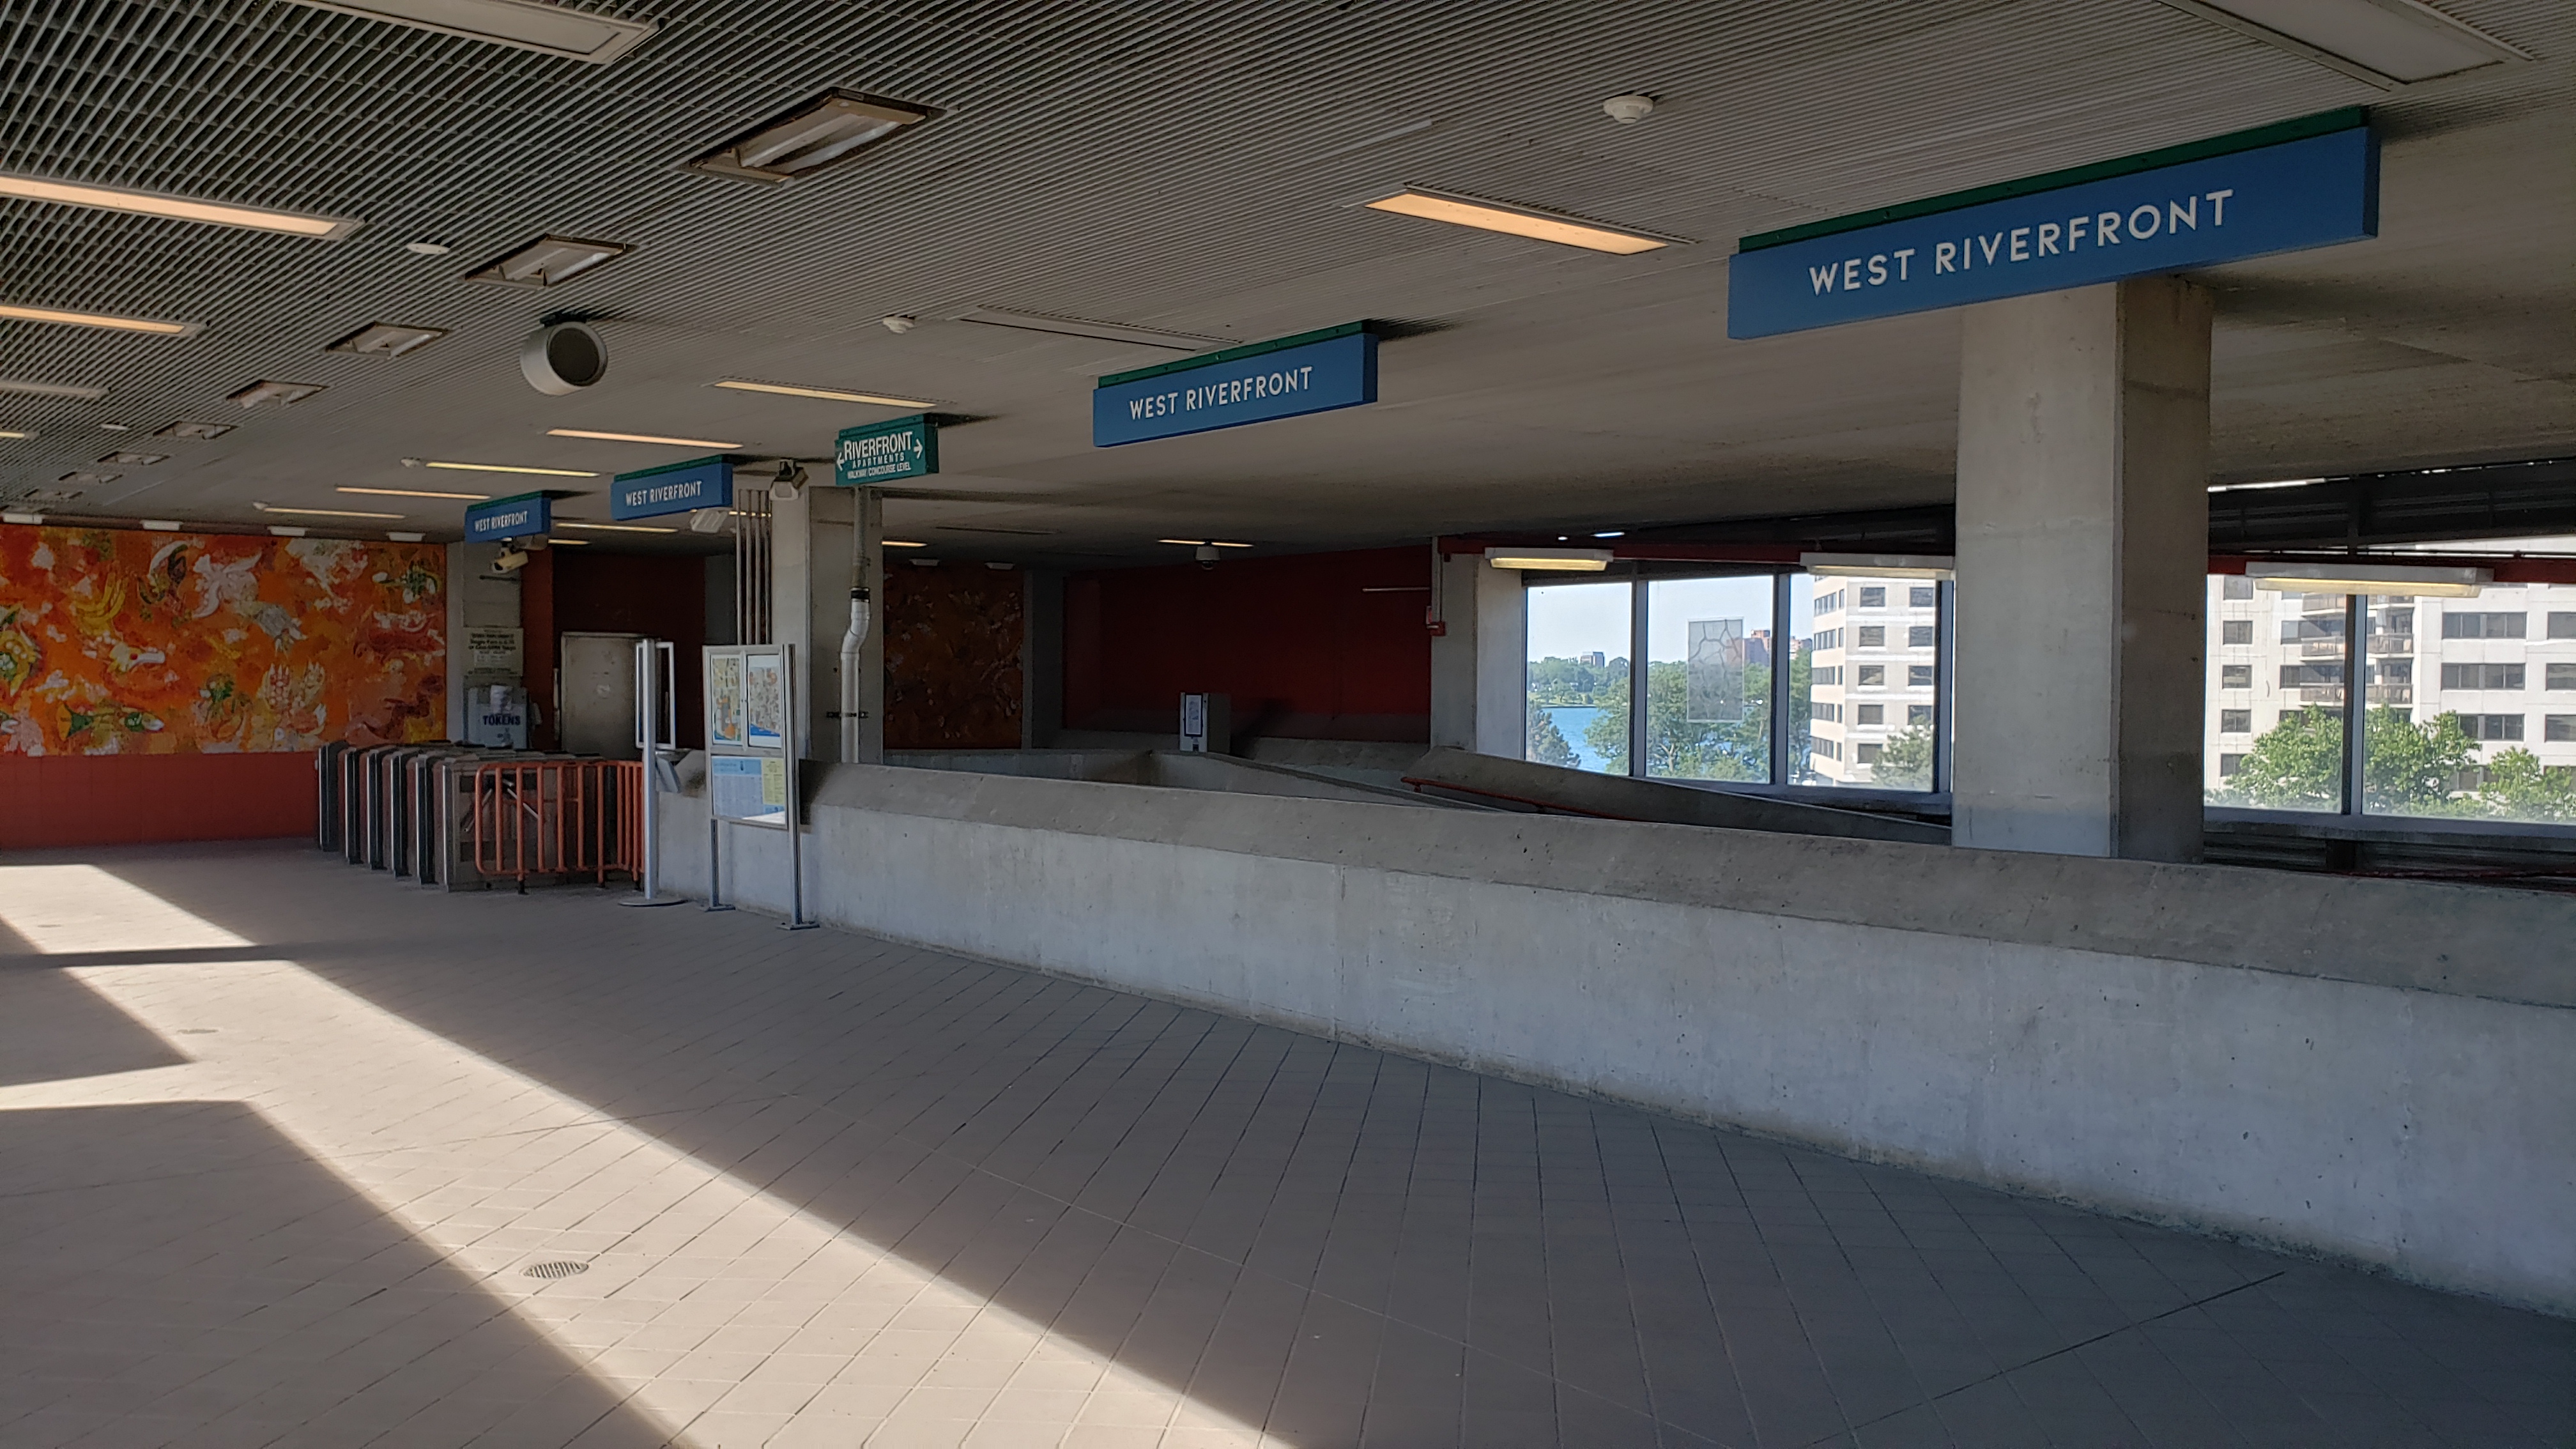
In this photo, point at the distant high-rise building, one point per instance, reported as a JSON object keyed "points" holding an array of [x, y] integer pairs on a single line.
{"points": [[1876, 671]]}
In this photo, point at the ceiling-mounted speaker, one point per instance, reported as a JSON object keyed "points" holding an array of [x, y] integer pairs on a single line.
{"points": [[565, 357]]}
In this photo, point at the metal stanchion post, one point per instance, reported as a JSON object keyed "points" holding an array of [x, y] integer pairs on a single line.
{"points": [[794, 740], [652, 678]]}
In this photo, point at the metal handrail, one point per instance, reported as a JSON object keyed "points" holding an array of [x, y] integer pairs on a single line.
{"points": [[556, 817]]}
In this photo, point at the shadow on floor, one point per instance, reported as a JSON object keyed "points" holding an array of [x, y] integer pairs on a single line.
{"points": [[1350, 1247]]}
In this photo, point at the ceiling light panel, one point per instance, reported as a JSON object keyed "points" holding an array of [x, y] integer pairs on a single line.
{"points": [[386, 339], [641, 438], [176, 208], [554, 29], [509, 468], [826, 394], [1079, 327], [193, 432], [124, 459], [549, 261], [1516, 221], [2397, 40], [414, 493], [613, 527], [276, 394], [14, 433], [68, 392], [88, 479], [10, 311], [823, 132], [324, 512]]}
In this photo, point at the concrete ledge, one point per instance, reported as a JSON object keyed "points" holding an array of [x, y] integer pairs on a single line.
{"points": [[2190, 1045]]}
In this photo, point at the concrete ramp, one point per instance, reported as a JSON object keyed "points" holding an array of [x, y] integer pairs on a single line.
{"points": [[1495, 780]]}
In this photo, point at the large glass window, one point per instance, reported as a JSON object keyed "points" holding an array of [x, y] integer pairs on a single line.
{"points": [[1708, 678], [1864, 681], [1578, 676], [2274, 698]]}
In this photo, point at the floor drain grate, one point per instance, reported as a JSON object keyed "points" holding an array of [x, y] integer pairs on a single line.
{"points": [[557, 1270]]}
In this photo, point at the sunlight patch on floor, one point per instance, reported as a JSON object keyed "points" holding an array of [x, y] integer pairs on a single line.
{"points": [[728, 1317]]}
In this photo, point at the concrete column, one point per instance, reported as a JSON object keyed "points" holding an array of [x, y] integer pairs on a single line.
{"points": [[809, 582], [1502, 664], [2083, 546], [1453, 654]]}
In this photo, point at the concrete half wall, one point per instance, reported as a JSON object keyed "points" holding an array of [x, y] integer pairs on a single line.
{"points": [[2372, 1070]]}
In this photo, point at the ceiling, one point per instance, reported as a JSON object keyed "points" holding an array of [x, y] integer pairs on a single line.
{"points": [[1189, 168]]}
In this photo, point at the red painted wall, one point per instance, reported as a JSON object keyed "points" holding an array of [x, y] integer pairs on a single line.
{"points": [[661, 596], [1306, 651], [57, 800]]}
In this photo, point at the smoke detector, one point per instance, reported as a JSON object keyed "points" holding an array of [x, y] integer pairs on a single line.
{"points": [[1628, 110]]}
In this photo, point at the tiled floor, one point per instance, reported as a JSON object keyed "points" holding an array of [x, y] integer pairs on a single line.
{"points": [[279, 1141]]}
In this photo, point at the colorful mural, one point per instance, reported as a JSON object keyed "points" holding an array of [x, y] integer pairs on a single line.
{"points": [[118, 643]]}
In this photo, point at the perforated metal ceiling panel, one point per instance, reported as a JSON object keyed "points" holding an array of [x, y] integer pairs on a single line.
{"points": [[1188, 167]]}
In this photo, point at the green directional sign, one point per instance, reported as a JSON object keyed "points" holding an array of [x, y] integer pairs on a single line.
{"points": [[885, 452]]}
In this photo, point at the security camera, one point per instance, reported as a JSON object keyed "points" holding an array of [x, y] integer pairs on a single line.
{"points": [[510, 562], [1206, 554], [1629, 110], [790, 475]]}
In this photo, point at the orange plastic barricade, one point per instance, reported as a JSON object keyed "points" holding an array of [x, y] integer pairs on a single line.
{"points": [[557, 818]]}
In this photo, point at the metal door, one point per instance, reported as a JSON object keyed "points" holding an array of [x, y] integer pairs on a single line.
{"points": [[595, 706]]}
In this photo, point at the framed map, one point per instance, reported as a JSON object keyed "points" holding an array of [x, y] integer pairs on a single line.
{"points": [[725, 723], [764, 701]]}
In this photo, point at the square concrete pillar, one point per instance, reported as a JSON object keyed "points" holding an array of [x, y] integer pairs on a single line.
{"points": [[2083, 512]]}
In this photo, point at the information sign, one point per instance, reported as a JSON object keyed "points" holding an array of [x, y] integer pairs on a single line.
{"points": [[679, 488], [884, 452], [1254, 384], [748, 788], [2318, 190], [522, 515]]}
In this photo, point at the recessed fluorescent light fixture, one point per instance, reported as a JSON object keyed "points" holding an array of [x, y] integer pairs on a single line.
{"points": [[2388, 43], [176, 208], [900, 543], [69, 391], [640, 438], [827, 394], [569, 542], [1550, 560], [1877, 565], [2250, 487], [386, 339], [1516, 221], [825, 131], [400, 537], [501, 468], [193, 432], [323, 512], [14, 433], [2343, 578], [549, 261], [22, 518], [612, 527], [276, 394], [554, 29], [105, 321], [88, 480], [288, 530], [132, 460], [417, 493], [161, 525], [1184, 542], [1079, 327]]}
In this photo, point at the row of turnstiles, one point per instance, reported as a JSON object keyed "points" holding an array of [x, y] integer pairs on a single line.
{"points": [[466, 817]]}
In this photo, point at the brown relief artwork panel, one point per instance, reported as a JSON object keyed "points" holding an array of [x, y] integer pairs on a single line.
{"points": [[953, 675]]}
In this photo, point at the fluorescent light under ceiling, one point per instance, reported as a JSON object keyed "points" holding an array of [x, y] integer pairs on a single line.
{"points": [[2386, 42], [193, 432], [1079, 327], [2391, 579], [387, 339], [276, 394], [612, 527], [900, 543], [827, 394], [108, 322], [124, 459], [1877, 565], [176, 208], [324, 512], [1516, 221], [640, 438], [416, 493], [1550, 560], [504, 468], [549, 261], [554, 29], [72, 392], [823, 132], [14, 433]]}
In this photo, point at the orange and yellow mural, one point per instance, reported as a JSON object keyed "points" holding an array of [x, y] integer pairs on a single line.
{"points": [[123, 643]]}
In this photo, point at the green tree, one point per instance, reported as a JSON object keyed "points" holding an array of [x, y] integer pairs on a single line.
{"points": [[2296, 765], [1678, 747], [2408, 768], [1905, 763], [1547, 743], [2518, 787]]}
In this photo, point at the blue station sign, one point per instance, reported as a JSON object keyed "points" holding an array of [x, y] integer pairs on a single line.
{"points": [[1311, 372], [884, 452], [2168, 211], [523, 515], [678, 488]]}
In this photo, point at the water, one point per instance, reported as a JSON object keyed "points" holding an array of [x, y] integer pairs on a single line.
{"points": [[1571, 721]]}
